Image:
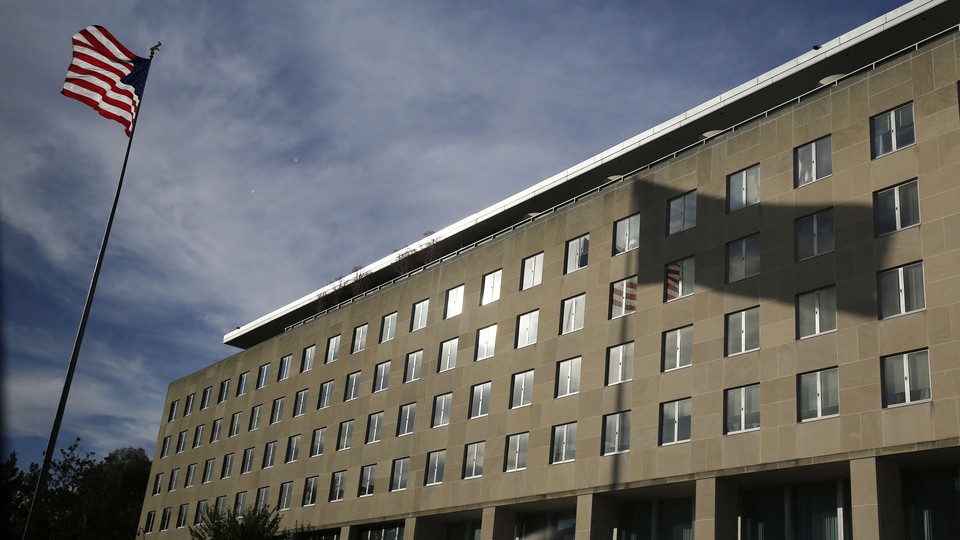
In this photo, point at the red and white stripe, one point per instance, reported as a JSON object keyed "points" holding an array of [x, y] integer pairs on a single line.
{"points": [[673, 281]]}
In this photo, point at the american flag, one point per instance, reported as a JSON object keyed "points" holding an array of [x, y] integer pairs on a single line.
{"points": [[106, 75]]}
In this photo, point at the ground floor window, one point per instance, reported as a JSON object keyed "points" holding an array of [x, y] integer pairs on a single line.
{"points": [[931, 504], [392, 531]]}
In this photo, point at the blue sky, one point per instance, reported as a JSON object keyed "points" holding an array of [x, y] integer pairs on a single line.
{"points": [[281, 144]]}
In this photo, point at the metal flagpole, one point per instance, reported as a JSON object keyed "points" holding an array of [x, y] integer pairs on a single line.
{"points": [[52, 442]]}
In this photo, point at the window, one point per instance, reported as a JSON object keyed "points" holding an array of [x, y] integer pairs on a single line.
{"points": [[359, 339], [616, 433], [310, 491], [224, 390], [208, 466], [276, 412], [181, 441], [368, 474], [326, 395], [172, 414], [148, 524], [165, 447], [901, 290], [743, 258], [679, 281], [521, 393], [235, 424], [743, 189], [306, 361], [812, 161], [284, 370], [220, 504], [269, 455], [620, 363], [743, 409], [623, 297], [516, 453], [435, 465], [743, 331], [897, 208], [333, 349], [374, 427], [215, 430], [286, 494], [226, 469], [411, 370], [388, 327], [527, 328], [242, 383], [815, 234], [816, 312], [572, 314], [419, 318], [200, 512], [454, 303], [300, 403], [263, 374], [441, 409], [381, 378], [626, 234], [408, 414], [473, 460], [262, 495], [158, 483], [677, 348], [182, 515], [682, 212], [891, 131], [343, 437], [532, 273], [254, 417], [448, 354], [174, 478], [338, 482], [205, 398], [486, 342], [675, 422], [188, 405], [293, 449], [352, 390], [906, 378], [568, 377], [564, 444], [491, 287], [480, 399], [577, 252], [239, 501], [819, 394], [197, 436], [246, 464], [316, 443], [165, 519], [399, 473]]}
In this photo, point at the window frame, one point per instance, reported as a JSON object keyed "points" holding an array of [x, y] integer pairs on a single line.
{"points": [[381, 377], [818, 167], [293, 449], [679, 407], [269, 455], [310, 487], [283, 371], [616, 433], [388, 327], [480, 399], [368, 477], [338, 484], [745, 344], [333, 349], [527, 325], [531, 271], [685, 208], [623, 300], [351, 389], [325, 396], [908, 370], [739, 256], [525, 393], [905, 205], [276, 410], [568, 377], [821, 304], [818, 376], [515, 454], [418, 315], [345, 435], [681, 354], [816, 232], [406, 418], [453, 301], [626, 231], [741, 399], [300, 402], [374, 427], [442, 403], [747, 192], [413, 366], [317, 442], [486, 342], [242, 381], [572, 312], [903, 299], [307, 358], [620, 359], [679, 279], [359, 338], [490, 287], [263, 374], [563, 443], [436, 465], [399, 474], [895, 132], [473, 455], [254, 422]]}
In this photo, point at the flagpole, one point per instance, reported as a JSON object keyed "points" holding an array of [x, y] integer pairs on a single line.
{"points": [[58, 419]]}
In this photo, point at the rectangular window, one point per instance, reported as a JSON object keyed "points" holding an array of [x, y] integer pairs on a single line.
{"points": [[286, 495], [224, 391], [215, 430], [527, 328], [408, 414], [306, 360], [368, 474], [577, 251], [491, 287], [174, 478], [182, 515], [226, 469], [235, 420], [208, 467], [900, 290], [165, 447], [399, 473], [521, 392], [516, 452], [743, 409], [819, 394], [293, 449], [284, 370], [480, 399], [435, 464], [623, 297], [454, 303], [906, 378], [683, 212], [419, 318], [626, 234], [165, 519], [172, 414], [254, 417], [381, 377], [310, 491], [276, 412], [352, 389], [300, 403], [246, 464], [242, 383], [815, 234], [338, 482], [616, 433], [891, 131], [263, 374], [262, 495], [316, 443], [448, 354], [269, 455], [148, 523], [743, 258], [344, 435], [897, 208], [158, 483], [388, 327], [333, 349], [568, 377], [239, 502], [816, 312], [743, 331], [188, 405], [532, 272], [572, 314], [200, 512], [679, 280], [326, 395], [677, 348], [220, 504], [675, 422], [564, 444], [205, 398], [743, 189], [197, 436], [374, 427], [486, 342], [441, 409], [812, 161], [181, 442], [359, 339], [619, 363], [411, 370]]}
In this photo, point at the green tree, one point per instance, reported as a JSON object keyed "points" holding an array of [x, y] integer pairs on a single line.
{"points": [[251, 524]]}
